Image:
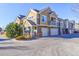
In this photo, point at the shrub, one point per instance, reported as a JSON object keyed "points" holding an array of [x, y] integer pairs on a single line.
{"points": [[20, 38]]}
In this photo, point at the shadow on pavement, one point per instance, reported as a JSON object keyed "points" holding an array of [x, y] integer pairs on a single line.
{"points": [[76, 35], [16, 47]]}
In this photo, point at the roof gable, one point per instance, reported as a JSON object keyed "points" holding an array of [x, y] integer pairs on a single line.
{"points": [[42, 10], [49, 11], [32, 10], [36, 10]]}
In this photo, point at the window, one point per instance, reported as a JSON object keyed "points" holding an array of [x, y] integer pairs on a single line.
{"points": [[30, 18], [53, 21], [43, 18]]}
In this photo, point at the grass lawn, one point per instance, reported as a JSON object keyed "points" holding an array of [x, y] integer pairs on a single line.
{"points": [[3, 36]]}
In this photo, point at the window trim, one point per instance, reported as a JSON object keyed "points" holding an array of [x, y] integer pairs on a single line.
{"points": [[41, 18]]}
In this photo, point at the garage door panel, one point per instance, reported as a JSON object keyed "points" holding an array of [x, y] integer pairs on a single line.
{"points": [[53, 31], [44, 31]]}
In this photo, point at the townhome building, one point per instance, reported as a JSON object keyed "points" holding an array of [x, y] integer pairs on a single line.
{"points": [[61, 26], [43, 23], [19, 19], [71, 26], [66, 26], [0, 30]]}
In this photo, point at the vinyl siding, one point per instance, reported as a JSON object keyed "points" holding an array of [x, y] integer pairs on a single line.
{"points": [[32, 16]]}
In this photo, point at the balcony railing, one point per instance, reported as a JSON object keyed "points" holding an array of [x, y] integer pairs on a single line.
{"points": [[54, 23]]}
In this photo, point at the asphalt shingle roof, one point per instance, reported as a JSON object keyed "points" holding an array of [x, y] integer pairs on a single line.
{"points": [[31, 22], [36, 10], [21, 16]]}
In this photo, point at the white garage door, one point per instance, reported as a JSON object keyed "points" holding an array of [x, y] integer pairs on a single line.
{"points": [[53, 31], [71, 31], [44, 31]]}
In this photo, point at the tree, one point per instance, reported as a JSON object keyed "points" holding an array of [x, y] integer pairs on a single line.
{"points": [[13, 30]]}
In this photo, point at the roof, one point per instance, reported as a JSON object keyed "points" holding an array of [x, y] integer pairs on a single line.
{"points": [[31, 22], [51, 12], [45, 9], [41, 9], [66, 20], [36, 10], [21, 16]]}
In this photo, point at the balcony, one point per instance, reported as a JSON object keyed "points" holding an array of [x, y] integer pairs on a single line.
{"points": [[53, 23]]}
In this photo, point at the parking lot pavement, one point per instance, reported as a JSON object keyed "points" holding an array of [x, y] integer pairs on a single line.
{"points": [[41, 47], [75, 35]]}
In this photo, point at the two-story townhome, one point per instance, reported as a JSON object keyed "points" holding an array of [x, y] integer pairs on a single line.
{"points": [[19, 19], [41, 22], [76, 27], [45, 22], [66, 26], [69, 26], [61, 26]]}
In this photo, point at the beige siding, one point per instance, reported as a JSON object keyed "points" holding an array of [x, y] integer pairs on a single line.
{"points": [[26, 23], [47, 16], [32, 15], [77, 26], [17, 20]]}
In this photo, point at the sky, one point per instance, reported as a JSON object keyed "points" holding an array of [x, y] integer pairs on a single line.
{"points": [[9, 11]]}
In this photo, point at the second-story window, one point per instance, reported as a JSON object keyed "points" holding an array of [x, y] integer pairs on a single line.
{"points": [[30, 18], [43, 19], [53, 21]]}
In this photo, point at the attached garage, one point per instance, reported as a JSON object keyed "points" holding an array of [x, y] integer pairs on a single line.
{"points": [[53, 31], [71, 31], [45, 31]]}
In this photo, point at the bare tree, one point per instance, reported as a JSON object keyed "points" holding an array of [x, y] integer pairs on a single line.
{"points": [[75, 8]]}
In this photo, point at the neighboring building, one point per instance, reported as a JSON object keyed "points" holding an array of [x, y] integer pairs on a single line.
{"points": [[66, 26], [77, 27], [43, 22], [61, 26], [71, 26], [0, 30]]}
